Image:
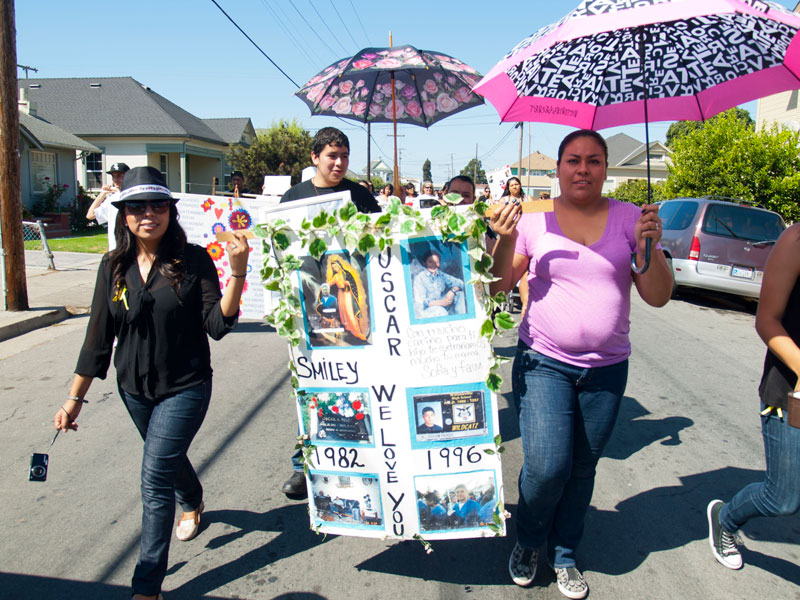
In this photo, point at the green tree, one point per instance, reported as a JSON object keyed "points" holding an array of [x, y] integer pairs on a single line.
{"points": [[727, 157], [283, 149], [681, 128], [377, 183], [635, 191], [426, 170], [478, 175]]}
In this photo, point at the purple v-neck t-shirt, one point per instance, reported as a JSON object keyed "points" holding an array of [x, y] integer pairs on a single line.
{"points": [[579, 297]]}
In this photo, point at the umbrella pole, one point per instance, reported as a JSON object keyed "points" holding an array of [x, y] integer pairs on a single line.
{"points": [[649, 242], [369, 147], [394, 125]]}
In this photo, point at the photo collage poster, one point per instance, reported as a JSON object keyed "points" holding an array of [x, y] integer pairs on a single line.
{"points": [[392, 392], [202, 216]]}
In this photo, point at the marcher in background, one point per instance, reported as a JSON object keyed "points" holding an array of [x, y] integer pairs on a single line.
{"points": [[330, 153], [778, 324], [514, 193], [428, 198], [462, 184], [571, 365], [411, 195], [383, 197], [159, 297], [237, 184], [103, 209], [486, 196]]}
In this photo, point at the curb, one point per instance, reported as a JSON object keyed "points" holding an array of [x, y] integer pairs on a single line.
{"points": [[34, 318]]}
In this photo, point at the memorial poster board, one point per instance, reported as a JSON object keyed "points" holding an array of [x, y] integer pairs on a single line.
{"points": [[400, 427]]}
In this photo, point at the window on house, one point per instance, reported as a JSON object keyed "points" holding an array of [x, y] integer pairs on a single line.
{"points": [[43, 167], [94, 171], [163, 166], [656, 157]]}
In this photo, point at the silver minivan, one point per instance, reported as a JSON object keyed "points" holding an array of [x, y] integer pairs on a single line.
{"points": [[718, 245]]}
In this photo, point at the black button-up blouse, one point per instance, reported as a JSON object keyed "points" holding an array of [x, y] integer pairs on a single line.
{"points": [[162, 346]]}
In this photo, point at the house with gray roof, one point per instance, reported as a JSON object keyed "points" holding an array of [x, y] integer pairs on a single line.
{"points": [[128, 122], [627, 160], [47, 154]]}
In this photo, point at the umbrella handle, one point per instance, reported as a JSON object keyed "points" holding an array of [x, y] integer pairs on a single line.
{"points": [[646, 265]]}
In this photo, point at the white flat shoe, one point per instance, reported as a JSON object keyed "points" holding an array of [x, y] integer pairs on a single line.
{"points": [[188, 528]]}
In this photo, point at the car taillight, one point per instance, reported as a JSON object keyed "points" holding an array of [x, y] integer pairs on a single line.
{"points": [[694, 251]]}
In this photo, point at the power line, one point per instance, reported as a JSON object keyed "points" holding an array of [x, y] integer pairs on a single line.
{"points": [[288, 32], [347, 29], [314, 31], [360, 23], [254, 44], [324, 22]]}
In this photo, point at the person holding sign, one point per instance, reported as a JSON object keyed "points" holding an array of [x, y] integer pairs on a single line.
{"points": [[330, 153], [159, 297], [571, 365]]}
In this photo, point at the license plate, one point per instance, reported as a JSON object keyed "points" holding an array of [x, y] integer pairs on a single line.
{"points": [[742, 272]]}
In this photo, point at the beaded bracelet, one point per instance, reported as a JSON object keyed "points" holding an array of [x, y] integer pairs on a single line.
{"points": [[238, 276], [76, 399]]}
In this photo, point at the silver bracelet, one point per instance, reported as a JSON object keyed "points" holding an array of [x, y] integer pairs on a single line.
{"points": [[76, 399]]}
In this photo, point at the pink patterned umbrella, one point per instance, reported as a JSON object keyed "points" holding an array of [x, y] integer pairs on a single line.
{"points": [[393, 85], [700, 57]]}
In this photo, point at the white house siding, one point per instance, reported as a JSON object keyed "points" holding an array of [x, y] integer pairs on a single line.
{"points": [[779, 108]]}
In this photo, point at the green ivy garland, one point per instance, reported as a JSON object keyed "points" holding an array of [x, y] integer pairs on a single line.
{"points": [[360, 233]]}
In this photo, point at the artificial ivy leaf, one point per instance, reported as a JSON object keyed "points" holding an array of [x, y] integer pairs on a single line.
{"points": [[305, 225], [318, 248], [498, 439], [267, 272], [273, 286], [320, 219], [408, 227], [453, 198], [503, 320], [439, 210], [488, 451], [366, 242], [383, 220], [381, 244], [348, 211], [350, 242], [494, 381], [281, 241], [487, 329]]}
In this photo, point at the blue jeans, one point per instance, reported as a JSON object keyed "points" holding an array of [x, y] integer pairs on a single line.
{"points": [[779, 493], [566, 415], [167, 426]]}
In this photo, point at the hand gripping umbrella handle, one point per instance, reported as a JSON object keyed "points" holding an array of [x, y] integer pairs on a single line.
{"points": [[646, 265]]}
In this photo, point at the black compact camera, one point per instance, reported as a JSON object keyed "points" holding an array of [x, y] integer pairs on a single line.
{"points": [[38, 470]]}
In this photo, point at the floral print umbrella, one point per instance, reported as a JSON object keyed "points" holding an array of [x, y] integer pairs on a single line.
{"points": [[428, 86]]}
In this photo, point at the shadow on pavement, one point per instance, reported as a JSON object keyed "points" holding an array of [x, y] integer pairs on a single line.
{"points": [[294, 537], [632, 433], [670, 517], [21, 587], [447, 563]]}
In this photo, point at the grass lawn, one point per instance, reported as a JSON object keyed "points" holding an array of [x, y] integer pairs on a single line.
{"points": [[94, 241]]}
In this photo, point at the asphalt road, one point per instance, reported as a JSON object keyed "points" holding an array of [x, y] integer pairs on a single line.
{"points": [[688, 432]]}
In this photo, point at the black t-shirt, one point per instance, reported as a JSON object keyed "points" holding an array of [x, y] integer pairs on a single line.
{"points": [[778, 379], [364, 201]]}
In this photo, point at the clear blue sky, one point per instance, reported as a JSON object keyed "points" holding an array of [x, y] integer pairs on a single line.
{"points": [[187, 51]]}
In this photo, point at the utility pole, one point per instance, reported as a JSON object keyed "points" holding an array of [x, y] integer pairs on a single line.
{"points": [[26, 69], [452, 168], [519, 169], [16, 290], [475, 166]]}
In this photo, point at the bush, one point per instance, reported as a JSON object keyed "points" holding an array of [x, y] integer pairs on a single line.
{"points": [[78, 208]]}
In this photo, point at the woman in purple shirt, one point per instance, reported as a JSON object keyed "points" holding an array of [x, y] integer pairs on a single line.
{"points": [[571, 365]]}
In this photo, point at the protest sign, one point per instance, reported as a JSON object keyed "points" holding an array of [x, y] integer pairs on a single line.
{"points": [[203, 217], [393, 369]]}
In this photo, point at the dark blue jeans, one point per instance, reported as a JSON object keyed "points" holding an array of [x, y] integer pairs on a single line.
{"points": [[566, 415], [167, 427], [779, 493]]}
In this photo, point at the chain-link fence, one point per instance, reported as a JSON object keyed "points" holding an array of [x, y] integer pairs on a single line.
{"points": [[37, 251]]}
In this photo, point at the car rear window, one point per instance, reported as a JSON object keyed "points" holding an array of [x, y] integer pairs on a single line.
{"points": [[742, 222], [677, 215]]}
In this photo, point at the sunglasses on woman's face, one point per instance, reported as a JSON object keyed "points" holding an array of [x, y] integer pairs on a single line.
{"points": [[139, 207]]}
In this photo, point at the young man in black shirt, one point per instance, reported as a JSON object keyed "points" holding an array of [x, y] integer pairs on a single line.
{"points": [[330, 153]]}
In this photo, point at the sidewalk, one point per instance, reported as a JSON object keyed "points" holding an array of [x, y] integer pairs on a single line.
{"points": [[52, 295]]}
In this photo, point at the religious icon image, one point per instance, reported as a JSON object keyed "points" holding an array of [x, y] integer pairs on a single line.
{"points": [[335, 302]]}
